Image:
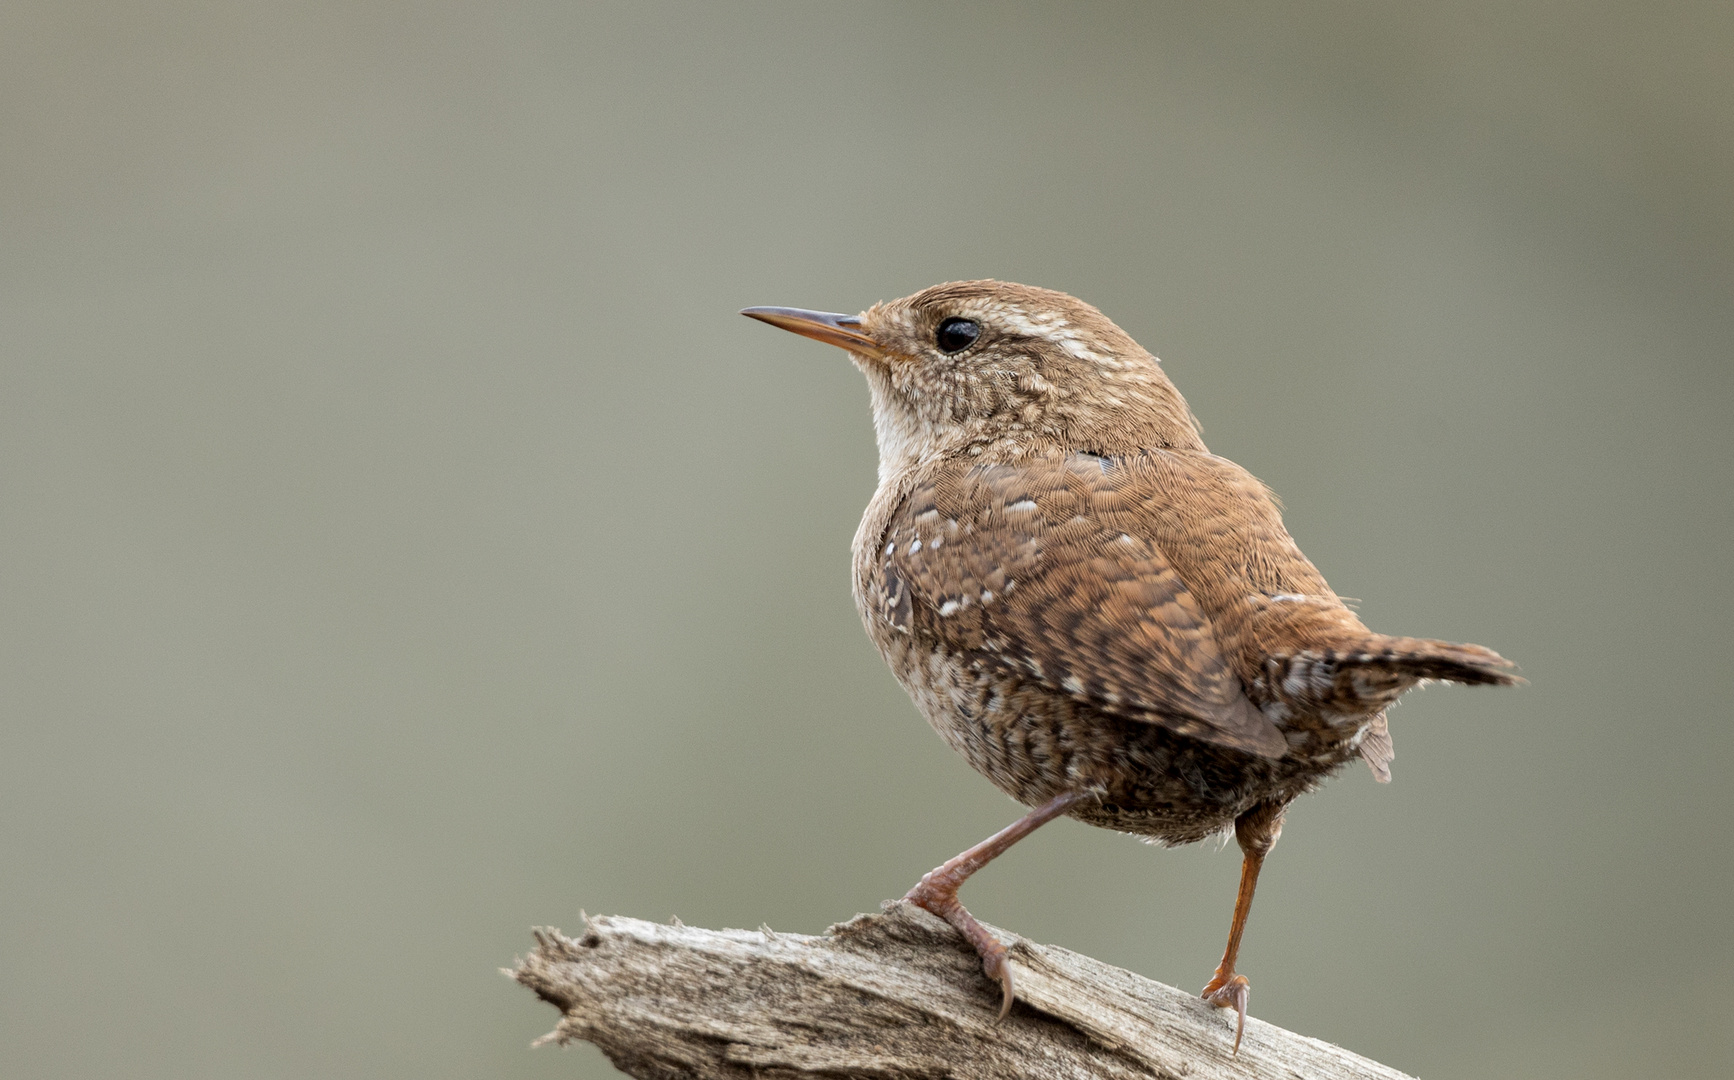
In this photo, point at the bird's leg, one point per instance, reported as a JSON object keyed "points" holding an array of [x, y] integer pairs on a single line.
{"points": [[937, 891], [1257, 831]]}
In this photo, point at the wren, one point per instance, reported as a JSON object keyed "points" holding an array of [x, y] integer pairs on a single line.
{"points": [[1104, 618]]}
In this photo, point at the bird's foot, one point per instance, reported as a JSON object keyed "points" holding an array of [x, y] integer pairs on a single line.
{"points": [[1230, 991], [939, 896], [937, 891]]}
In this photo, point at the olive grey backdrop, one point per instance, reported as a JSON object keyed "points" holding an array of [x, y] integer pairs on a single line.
{"points": [[403, 541]]}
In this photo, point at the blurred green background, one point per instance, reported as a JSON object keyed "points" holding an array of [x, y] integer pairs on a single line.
{"points": [[403, 541]]}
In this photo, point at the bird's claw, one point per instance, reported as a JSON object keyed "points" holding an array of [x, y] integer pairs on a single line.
{"points": [[1231, 992], [995, 960], [998, 966]]}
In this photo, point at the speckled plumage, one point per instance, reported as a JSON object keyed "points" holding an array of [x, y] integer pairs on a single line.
{"points": [[1080, 596], [1088, 604]]}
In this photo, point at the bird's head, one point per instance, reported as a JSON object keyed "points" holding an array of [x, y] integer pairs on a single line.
{"points": [[989, 367]]}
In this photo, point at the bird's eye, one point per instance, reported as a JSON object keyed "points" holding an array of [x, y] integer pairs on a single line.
{"points": [[956, 334]]}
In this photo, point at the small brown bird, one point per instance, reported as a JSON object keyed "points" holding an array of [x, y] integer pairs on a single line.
{"points": [[1106, 619]]}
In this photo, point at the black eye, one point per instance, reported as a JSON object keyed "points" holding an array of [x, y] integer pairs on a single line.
{"points": [[956, 334]]}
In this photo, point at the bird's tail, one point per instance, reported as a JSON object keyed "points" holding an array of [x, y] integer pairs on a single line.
{"points": [[1424, 658], [1369, 673]]}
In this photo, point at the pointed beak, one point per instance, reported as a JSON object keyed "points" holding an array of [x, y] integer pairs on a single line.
{"points": [[843, 331]]}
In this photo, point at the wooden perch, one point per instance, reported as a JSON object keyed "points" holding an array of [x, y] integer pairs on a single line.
{"points": [[887, 997]]}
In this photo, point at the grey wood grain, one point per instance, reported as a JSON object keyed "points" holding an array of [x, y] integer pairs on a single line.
{"points": [[889, 996]]}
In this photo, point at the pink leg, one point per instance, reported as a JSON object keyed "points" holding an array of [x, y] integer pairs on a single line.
{"points": [[937, 891], [1257, 831]]}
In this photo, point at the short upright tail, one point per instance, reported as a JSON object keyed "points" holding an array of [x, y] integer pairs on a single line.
{"points": [[1424, 658], [1370, 673]]}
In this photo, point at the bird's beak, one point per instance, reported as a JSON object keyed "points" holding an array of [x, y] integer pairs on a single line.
{"points": [[843, 331]]}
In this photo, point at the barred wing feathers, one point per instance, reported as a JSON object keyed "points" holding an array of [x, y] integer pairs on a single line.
{"points": [[1038, 566]]}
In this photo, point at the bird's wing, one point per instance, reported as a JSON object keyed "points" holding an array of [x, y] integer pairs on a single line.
{"points": [[1031, 566]]}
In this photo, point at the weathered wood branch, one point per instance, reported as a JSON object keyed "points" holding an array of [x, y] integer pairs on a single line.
{"points": [[888, 997]]}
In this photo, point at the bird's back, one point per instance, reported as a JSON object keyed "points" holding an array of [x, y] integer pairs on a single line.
{"points": [[1138, 622]]}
